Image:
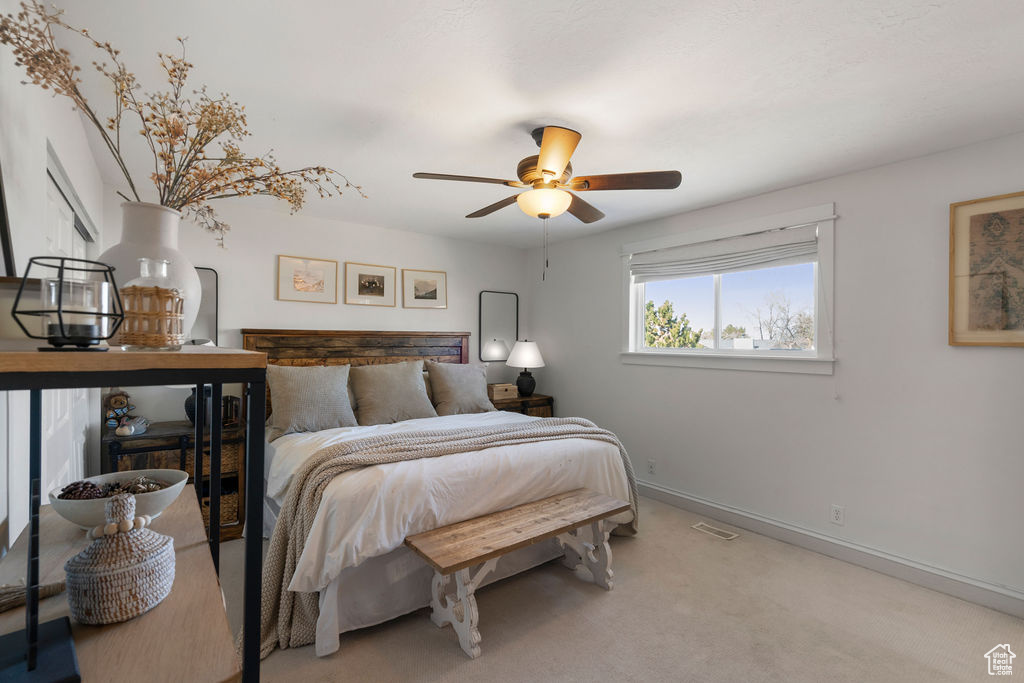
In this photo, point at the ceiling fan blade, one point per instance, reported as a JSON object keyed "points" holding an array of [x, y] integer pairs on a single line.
{"points": [[493, 207], [649, 180], [556, 147], [584, 211], [467, 179]]}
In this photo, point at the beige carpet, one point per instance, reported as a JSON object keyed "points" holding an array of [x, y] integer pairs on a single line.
{"points": [[686, 607]]}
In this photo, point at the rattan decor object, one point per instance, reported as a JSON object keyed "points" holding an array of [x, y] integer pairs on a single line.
{"points": [[14, 596], [127, 571], [153, 318]]}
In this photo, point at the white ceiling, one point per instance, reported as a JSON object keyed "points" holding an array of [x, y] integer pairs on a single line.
{"points": [[742, 96]]}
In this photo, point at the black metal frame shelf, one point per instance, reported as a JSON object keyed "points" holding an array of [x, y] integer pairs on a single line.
{"points": [[255, 379]]}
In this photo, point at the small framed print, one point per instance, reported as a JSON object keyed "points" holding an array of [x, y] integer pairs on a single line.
{"points": [[986, 271], [369, 285], [307, 279], [424, 288]]}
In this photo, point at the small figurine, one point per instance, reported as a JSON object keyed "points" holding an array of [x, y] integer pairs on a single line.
{"points": [[116, 405], [132, 426]]}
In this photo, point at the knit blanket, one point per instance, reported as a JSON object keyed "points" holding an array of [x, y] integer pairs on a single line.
{"points": [[289, 618]]}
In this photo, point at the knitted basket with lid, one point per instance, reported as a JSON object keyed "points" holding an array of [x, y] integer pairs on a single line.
{"points": [[126, 571]]}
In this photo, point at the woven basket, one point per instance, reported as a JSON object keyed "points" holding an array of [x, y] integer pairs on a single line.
{"points": [[229, 453], [228, 509], [153, 317], [126, 571]]}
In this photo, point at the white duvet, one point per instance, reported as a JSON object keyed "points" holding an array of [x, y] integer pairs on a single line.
{"points": [[368, 512]]}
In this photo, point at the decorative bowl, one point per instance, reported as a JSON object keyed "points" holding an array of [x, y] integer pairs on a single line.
{"points": [[91, 513]]}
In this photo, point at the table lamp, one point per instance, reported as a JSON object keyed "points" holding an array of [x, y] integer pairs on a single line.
{"points": [[525, 355]]}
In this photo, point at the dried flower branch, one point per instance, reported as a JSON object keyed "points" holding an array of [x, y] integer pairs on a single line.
{"points": [[178, 128]]}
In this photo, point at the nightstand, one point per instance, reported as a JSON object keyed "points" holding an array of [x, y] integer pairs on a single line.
{"points": [[537, 405], [171, 445]]}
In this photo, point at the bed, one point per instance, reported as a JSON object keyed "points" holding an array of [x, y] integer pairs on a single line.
{"points": [[354, 555]]}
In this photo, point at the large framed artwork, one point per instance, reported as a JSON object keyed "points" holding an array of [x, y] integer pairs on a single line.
{"points": [[986, 271], [424, 288], [307, 279], [369, 285]]}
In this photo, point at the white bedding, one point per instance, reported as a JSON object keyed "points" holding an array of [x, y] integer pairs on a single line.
{"points": [[367, 513]]}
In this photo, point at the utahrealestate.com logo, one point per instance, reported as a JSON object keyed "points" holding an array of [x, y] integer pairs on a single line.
{"points": [[1000, 660]]}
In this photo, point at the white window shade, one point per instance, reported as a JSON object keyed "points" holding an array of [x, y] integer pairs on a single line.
{"points": [[745, 252]]}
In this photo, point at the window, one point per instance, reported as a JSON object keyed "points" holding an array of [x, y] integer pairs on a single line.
{"points": [[759, 291], [762, 309]]}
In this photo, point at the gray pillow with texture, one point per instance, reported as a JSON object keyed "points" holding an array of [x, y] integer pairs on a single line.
{"points": [[390, 393], [459, 389], [308, 399], [426, 383]]}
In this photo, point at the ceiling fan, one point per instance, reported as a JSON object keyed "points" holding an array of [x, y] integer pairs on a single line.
{"points": [[549, 174]]}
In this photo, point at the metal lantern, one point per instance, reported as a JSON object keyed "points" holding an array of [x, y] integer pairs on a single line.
{"points": [[79, 305]]}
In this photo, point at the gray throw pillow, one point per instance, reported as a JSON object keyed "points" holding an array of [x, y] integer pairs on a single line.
{"points": [[390, 393], [426, 383], [308, 399], [459, 389]]}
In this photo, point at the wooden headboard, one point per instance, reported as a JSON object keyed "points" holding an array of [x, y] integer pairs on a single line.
{"points": [[354, 347]]}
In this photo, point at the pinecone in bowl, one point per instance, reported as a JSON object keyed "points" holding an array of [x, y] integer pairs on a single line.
{"points": [[81, 490]]}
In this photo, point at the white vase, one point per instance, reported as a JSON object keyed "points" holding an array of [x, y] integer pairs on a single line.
{"points": [[151, 231]]}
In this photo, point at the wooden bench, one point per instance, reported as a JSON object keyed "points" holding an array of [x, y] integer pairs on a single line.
{"points": [[453, 549]]}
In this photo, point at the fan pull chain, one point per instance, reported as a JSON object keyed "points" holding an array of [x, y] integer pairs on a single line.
{"points": [[544, 272]]}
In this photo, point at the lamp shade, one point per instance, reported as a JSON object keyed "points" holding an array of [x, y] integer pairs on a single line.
{"points": [[544, 203], [525, 354], [496, 349]]}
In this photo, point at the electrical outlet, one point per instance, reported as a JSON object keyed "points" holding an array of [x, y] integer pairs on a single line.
{"points": [[652, 467], [837, 515]]}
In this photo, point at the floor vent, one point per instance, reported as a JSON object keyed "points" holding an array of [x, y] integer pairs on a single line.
{"points": [[714, 531]]}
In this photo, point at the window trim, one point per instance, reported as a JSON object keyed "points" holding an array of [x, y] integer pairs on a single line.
{"points": [[83, 221], [819, 362]]}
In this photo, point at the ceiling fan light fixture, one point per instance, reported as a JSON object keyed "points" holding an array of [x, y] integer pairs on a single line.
{"points": [[544, 203], [548, 175]]}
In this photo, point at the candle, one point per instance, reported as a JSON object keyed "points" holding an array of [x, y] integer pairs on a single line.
{"points": [[73, 308]]}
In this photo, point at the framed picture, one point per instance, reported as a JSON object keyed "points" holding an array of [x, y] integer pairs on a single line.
{"points": [[986, 271], [424, 288], [307, 279], [369, 285]]}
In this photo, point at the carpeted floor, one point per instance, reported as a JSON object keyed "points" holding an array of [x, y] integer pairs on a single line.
{"points": [[686, 607]]}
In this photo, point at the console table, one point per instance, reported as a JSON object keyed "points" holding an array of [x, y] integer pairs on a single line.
{"points": [[23, 367], [203, 652]]}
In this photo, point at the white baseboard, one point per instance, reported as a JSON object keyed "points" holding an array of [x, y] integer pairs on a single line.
{"points": [[1001, 598]]}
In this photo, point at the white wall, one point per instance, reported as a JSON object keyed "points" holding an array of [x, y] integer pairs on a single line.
{"points": [[247, 268], [29, 117], [920, 441]]}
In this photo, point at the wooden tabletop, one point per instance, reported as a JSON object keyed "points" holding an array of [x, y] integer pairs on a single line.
{"points": [[184, 638], [23, 356], [465, 544]]}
